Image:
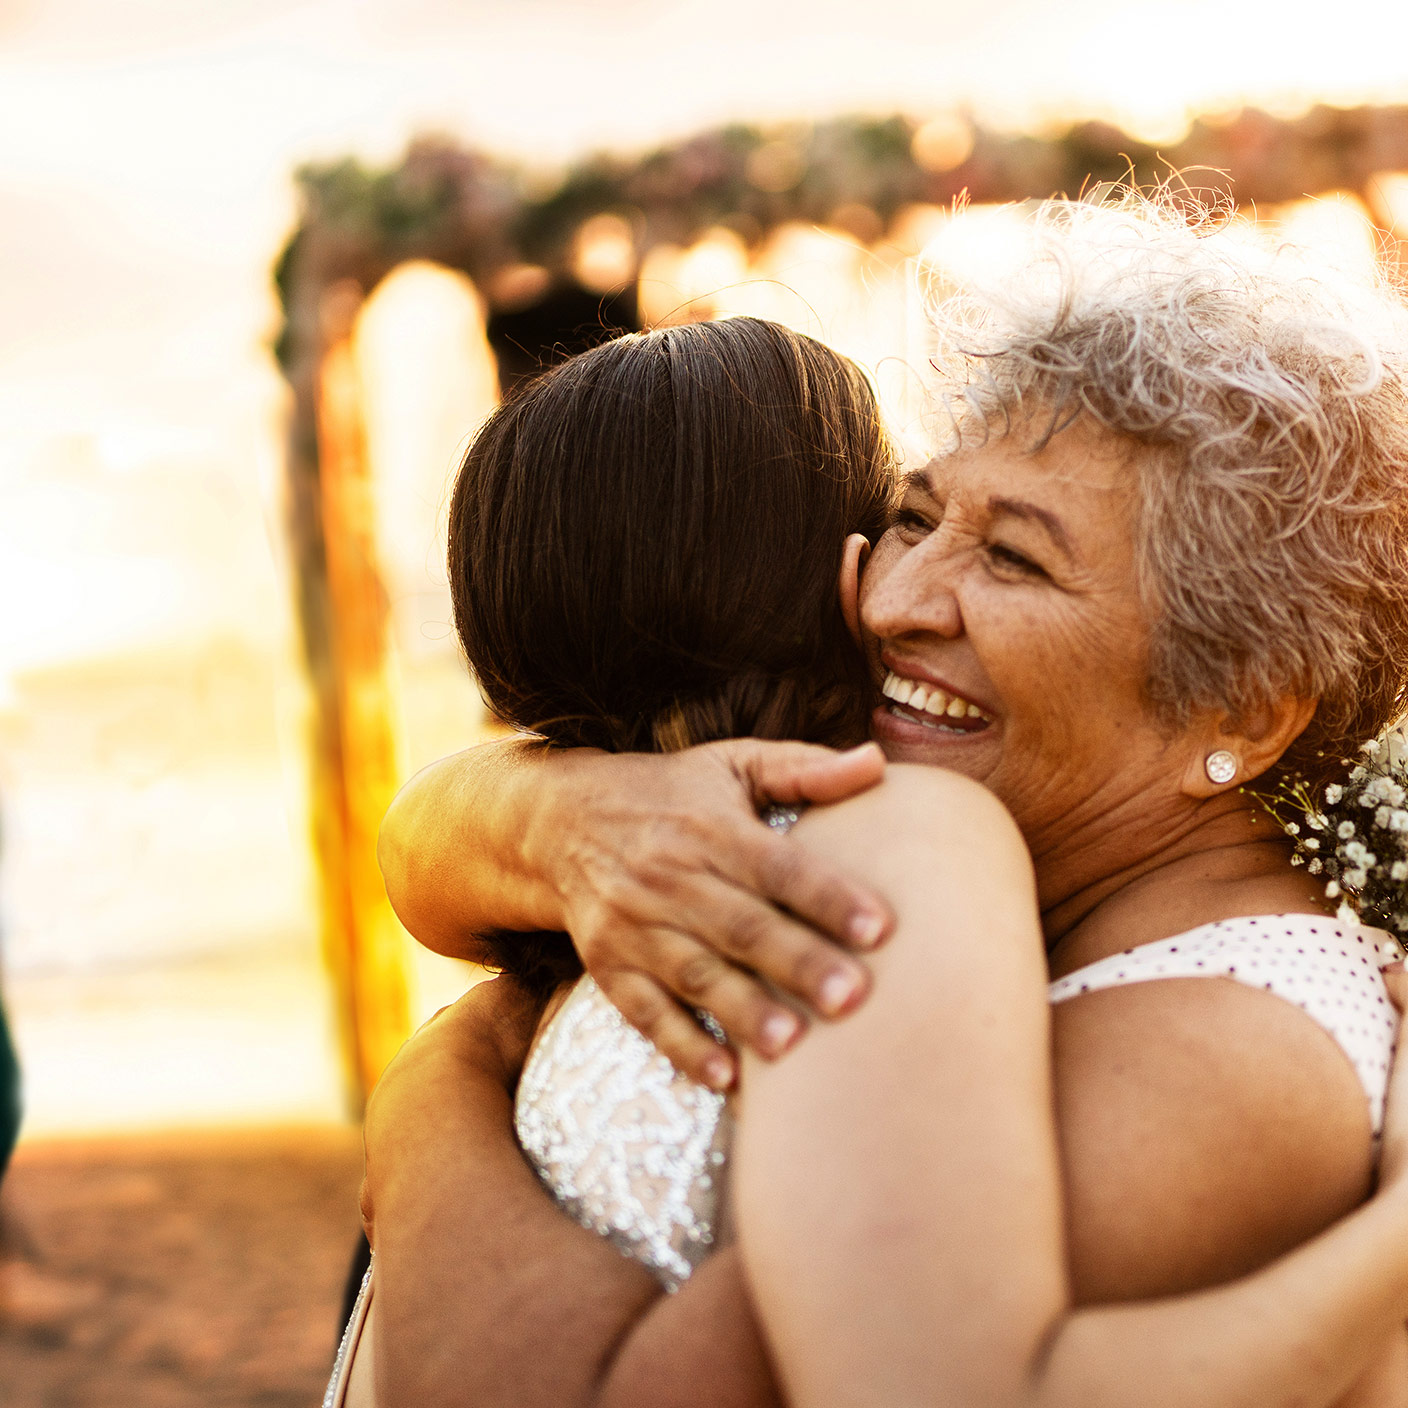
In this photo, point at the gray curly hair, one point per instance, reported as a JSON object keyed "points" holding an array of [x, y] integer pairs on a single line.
{"points": [[1270, 402]]}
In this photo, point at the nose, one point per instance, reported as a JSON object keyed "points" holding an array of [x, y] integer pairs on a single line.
{"points": [[911, 590]]}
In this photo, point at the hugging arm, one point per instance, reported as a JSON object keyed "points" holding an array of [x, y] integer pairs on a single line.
{"points": [[901, 1175], [658, 866], [489, 1290], [486, 1293]]}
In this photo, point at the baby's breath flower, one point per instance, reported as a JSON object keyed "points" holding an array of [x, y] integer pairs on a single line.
{"points": [[1385, 789], [1369, 808], [1373, 747], [1346, 914]]}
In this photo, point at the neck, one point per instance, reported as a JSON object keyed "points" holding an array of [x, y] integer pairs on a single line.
{"points": [[1143, 875]]}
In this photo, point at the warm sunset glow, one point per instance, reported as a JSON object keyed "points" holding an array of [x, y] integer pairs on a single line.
{"points": [[1333, 227], [157, 896]]}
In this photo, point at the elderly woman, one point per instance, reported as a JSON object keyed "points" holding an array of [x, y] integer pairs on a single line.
{"points": [[1162, 563]]}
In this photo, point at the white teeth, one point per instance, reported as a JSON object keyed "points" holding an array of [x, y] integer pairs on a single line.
{"points": [[929, 699]]}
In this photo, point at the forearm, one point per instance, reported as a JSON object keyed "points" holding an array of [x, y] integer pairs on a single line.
{"points": [[486, 1292], [700, 1348], [456, 846], [1296, 1334], [896, 1177]]}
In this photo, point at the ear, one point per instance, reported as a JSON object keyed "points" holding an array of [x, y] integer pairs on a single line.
{"points": [[853, 557], [1256, 744]]}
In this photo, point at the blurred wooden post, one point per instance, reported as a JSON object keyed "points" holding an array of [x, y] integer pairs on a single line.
{"points": [[355, 766]]}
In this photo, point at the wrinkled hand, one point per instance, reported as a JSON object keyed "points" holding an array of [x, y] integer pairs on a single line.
{"points": [[678, 896]]}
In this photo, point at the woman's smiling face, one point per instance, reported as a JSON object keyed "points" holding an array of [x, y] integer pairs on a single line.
{"points": [[1002, 615]]}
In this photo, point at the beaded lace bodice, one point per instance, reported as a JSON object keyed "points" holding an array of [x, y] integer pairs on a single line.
{"points": [[627, 1145]]}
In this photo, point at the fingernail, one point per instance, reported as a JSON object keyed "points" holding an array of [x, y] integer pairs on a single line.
{"points": [[779, 1032], [835, 992], [718, 1073], [866, 930]]}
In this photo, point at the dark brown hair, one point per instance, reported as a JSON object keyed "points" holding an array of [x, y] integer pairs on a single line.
{"points": [[644, 545]]}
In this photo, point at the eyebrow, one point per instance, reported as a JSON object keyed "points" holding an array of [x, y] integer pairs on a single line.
{"points": [[1020, 508]]}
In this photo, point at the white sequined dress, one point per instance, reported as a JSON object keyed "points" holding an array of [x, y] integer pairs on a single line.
{"points": [[627, 1145]]}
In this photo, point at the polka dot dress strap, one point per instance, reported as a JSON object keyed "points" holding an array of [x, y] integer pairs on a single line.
{"points": [[1328, 969]]}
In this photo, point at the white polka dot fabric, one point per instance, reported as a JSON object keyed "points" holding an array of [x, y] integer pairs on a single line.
{"points": [[1328, 969]]}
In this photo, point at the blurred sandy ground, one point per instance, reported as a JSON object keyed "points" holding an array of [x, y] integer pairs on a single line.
{"points": [[205, 1269]]}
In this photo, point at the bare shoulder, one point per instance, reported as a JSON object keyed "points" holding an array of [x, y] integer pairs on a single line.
{"points": [[920, 804], [1206, 1127]]}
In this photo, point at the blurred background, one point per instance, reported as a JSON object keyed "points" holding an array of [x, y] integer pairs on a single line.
{"points": [[263, 268]]}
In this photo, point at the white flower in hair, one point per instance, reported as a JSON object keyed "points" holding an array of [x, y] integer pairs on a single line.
{"points": [[1385, 789], [1367, 812]]}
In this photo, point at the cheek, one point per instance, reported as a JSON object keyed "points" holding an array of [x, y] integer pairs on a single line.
{"points": [[1063, 668]]}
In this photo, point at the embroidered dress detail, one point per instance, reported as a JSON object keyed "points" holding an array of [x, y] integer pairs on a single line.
{"points": [[1328, 969], [627, 1145]]}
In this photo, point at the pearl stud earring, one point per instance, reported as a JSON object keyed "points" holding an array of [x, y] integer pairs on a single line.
{"points": [[1221, 766]]}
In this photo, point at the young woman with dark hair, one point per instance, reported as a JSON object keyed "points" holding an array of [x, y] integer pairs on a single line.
{"points": [[644, 547]]}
